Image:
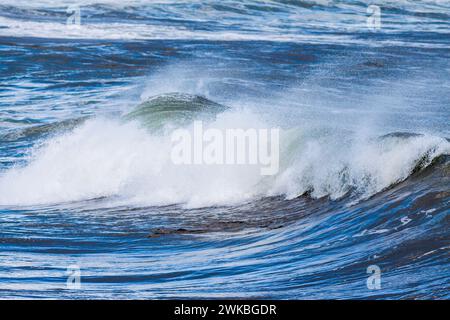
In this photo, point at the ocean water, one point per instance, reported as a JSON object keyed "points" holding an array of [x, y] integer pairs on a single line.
{"points": [[87, 186]]}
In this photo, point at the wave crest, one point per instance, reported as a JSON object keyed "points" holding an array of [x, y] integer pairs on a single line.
{"points": [[128, 164]]}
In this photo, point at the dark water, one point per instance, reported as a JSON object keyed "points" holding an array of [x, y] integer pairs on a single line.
{"points": [[364, 166]]}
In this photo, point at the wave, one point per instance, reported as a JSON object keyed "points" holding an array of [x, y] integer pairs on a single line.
{"points": [[315, 21], [120, 159]]}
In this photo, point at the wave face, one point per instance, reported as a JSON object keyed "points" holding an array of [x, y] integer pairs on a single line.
{"points": [[86, 178]]}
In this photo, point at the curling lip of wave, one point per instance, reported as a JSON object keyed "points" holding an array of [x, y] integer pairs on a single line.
{"points": [[123, 161], [155, 113]]}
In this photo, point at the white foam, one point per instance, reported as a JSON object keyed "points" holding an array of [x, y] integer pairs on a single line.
{"points": [[107, 158], [333, 166]]}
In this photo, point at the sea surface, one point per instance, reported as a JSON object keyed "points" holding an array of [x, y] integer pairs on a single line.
{"points": [[88, 191]]}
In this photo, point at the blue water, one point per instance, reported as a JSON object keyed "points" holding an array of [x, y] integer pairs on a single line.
{"points": [[364, 179]]}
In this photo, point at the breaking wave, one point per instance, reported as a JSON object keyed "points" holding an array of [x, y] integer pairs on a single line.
{"points": [[126, 159]]}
